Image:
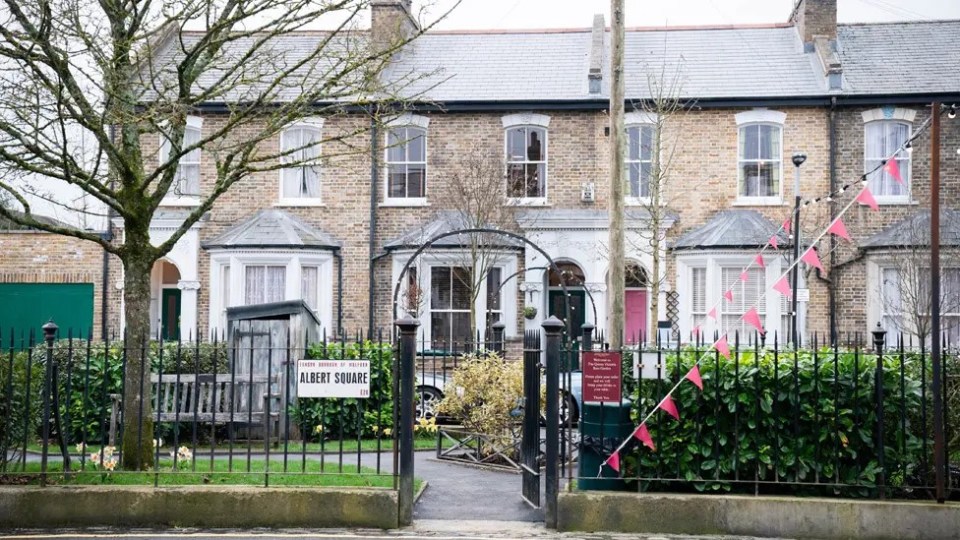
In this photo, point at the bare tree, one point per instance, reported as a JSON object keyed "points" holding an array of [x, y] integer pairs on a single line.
{"points": [[123, 73], [905, 276], [652, 169], [473, 196]]}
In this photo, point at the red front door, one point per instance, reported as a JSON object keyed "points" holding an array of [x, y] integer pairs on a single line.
{"points": [[635, 324]]}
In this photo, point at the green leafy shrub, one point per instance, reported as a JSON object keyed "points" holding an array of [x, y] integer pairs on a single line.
{"points": [[320, 418], [787, 419], [21, 399], [90, 372], [482, 392]]}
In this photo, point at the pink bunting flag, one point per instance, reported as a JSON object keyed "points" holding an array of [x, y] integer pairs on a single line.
{"points": [[712, 313], [728, 295], [839, 229], [669, 407], [811, 258], [694, 376], [722, 346], [753, 319], [893, 169], [760, 262], [783, 287], [786, 225], [865, 197], [614, 461], [643, 435], [744, 276], [773, 242]]}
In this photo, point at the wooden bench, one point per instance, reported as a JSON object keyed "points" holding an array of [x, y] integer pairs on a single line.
{"points": [[219, 399]]}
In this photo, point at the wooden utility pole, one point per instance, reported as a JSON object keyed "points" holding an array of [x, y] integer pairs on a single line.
{"points": [[617, 185], [939, 455]]}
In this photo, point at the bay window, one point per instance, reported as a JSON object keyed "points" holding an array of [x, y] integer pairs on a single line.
{"points": [[449, 307], [264, 284]]}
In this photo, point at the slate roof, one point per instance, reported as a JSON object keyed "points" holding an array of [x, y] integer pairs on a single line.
{"points": [[553, 65], [273, 229], [748, 62], [900, 58], [442, 222], [731, 229], [914, 231]]}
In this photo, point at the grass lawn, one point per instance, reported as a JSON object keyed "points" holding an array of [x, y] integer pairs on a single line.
{"points": [[240, 447], [220, 474]]}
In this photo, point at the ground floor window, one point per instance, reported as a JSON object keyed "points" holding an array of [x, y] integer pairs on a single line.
{"points": [[264, 284], [905, 302], [450, 301], [703, 281]]}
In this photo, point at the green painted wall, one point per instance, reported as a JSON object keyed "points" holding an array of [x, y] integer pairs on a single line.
{"points": [[26, 306]]}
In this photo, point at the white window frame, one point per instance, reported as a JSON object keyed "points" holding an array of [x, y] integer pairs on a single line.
{"points": [[406, 121], [293, 260], [506, 260], [531, 121], [883, 116], [312, 124], [714, 262], [173, 198], [877, 311], [756, 117], [639, 199]]}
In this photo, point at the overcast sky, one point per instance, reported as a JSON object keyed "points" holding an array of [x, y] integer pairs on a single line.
{"points": [[492, 14]]}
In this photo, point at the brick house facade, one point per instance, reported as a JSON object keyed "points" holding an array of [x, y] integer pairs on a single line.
{"points": [[808, 91]]}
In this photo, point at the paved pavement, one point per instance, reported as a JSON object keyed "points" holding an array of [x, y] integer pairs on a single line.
{"points": [[424, 529]]}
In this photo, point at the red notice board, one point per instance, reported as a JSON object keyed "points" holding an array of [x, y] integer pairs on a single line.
{"points": [[601, 377]]}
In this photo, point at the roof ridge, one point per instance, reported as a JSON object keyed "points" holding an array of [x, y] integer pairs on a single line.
{"points": [[891, 23], [586, 30]]}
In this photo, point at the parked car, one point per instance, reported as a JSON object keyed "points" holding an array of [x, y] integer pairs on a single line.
{"points": [[430, 388]]}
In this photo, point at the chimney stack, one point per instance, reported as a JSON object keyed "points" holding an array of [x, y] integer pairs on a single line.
{"points": [[595, 74], [815, 18], [816, 22], [391, 21]]}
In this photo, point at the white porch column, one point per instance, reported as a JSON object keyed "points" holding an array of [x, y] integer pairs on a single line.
{"points": [[188, 308], [599, 292]]}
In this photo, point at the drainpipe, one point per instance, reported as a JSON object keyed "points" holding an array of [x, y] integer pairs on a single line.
{"points": [[374, 174], [832, 284]]}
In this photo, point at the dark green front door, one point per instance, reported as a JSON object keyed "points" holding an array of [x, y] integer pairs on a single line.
{"points": [[578, 303], [170, 314]]}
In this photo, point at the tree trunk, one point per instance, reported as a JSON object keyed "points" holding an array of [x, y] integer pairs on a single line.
{"points": [[617, 185], [655, 289], [137, 441]]}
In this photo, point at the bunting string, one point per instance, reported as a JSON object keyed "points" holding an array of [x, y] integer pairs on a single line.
{"points": [[751, 316]]}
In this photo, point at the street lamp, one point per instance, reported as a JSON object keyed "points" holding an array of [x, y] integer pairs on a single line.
{"points": [[798, 159]]}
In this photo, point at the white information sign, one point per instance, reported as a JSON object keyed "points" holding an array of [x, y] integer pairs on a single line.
{"points": [[333, 379], [803, 295]]}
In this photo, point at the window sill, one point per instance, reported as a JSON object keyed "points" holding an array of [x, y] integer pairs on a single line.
{"points": [[412, 202], [180, 201], [537, 201], [637, 201], [317, 203], [894, 201], [759, 201]]}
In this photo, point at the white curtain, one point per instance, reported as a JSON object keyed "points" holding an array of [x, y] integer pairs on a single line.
{"points": [[264, 284], [308, 286], [882, 140], [303, 179]]}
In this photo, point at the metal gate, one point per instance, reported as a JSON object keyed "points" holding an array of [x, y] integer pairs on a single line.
{"points": [[530, 438]]}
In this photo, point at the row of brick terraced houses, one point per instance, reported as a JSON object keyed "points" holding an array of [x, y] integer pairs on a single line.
{"points": [[845, 95]]}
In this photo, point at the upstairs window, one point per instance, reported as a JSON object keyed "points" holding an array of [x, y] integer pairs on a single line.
{"points": [[760, 162], [639, 160], [407, 163], [186, 182], [882, 139], [527, 162], [300, 153]]}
